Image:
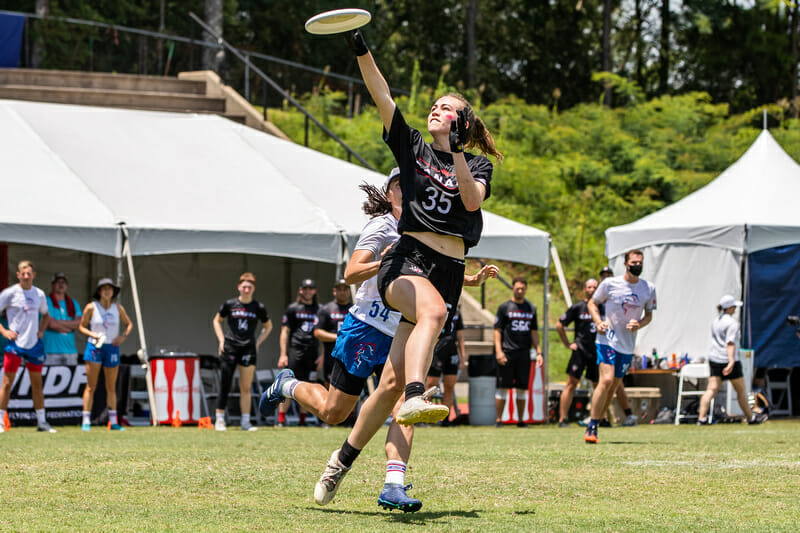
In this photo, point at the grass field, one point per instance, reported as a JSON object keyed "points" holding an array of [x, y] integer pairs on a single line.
{"points": [[649, 478]]}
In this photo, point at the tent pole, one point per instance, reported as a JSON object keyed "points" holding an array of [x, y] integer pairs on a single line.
{"points": [[546, 327], [142, 353], [561, 278]]}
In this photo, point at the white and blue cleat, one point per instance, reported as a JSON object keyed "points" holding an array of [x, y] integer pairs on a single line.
{"points": [[273, 396], [394, 496]]}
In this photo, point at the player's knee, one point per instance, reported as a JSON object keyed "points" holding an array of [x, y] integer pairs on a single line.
{"points": [[335, 415]]}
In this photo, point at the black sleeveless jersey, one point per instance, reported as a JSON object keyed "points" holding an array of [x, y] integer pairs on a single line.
{"points": [[431, 200]]}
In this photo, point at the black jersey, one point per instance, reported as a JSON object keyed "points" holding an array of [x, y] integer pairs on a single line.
{"points": [[330, 318], [431, 200], [301, 319], [446, 344], [585, 330], [242, 321], [516, 322]]}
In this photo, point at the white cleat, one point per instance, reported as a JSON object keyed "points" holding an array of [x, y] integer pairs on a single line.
{"points": [[630, 421], [219, 425], [329, 482], [420, 410]]}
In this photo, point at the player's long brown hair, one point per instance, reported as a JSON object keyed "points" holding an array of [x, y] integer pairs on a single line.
{"points": [[478, 135], [376, 203]]}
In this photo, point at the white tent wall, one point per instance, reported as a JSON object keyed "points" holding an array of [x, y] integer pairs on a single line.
{"points": [[689, 281]]}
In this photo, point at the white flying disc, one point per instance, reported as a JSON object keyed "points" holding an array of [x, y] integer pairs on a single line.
{"points": [[337, 21]]}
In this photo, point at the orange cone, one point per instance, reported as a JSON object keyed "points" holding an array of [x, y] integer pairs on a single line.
{"points": [[205, 423], [176, 420], [6, 422]]}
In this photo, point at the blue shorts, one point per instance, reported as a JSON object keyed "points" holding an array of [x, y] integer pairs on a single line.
{"points": [[34, 355], [609, 356], [361, 347], [107, 355]]}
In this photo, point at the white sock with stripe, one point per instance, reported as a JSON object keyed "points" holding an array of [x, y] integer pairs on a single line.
{"points": [[395, 472]]}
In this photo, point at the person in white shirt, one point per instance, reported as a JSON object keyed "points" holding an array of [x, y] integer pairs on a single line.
{"points": [[26, 309], [101, 324], [629, 305], [723, 360]]}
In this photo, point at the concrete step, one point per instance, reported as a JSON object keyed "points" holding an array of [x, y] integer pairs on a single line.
{"points": [[114, 98], [478, 347], [100, 80]]}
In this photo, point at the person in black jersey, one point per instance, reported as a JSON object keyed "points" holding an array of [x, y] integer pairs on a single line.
{"points": [[448, 360], [300, 350], [515, 332], [329, 321], [239, 346], [443, 188], [584, 352]]}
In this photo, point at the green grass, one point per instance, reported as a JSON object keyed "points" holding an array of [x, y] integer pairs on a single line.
{"points": [[649, 478]]}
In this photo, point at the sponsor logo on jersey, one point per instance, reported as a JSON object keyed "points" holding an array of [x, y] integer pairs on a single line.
{"points": [[520, 315], [629, 301], [365, 350]]}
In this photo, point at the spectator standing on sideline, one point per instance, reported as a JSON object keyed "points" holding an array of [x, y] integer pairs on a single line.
{"points": [[584, 353], [239, 347], [723, 360], [299, 348], [515, 332], [26, 309], [100, 323], [629, 305], [449, 358], [329, 322], [65, 317]]}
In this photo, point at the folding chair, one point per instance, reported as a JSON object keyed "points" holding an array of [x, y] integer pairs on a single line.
{"points": [[779, 380], [692, 373]]}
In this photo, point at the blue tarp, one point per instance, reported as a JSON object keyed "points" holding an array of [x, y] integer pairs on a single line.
{"points": [[11, 27], [774, 293]]}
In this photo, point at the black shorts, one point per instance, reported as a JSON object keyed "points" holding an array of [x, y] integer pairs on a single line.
{"points": [[516, 372], [410, 257], [238, 355], [443, 365], [327, 367], [346, 382], [717, 368], [302, 363], [580, 361]]}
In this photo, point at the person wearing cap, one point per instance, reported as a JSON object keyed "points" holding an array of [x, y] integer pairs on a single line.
{"points": [[238, 348], [26, 309], [329, 321], [65, 317], [300, 350], [723, 361], [584, 352], [629, 304], [101, 324]]}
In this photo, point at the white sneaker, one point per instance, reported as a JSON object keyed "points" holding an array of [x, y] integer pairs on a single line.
{"points": [[248, 426], [420, 410], [219, 425], [630, 420], [46, 428], [329, 481]]}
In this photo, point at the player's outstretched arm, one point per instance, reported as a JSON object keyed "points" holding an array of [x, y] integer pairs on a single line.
{"points": [[373, 79]]}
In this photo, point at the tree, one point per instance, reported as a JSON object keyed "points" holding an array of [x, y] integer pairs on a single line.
{"points": [[212, 58]]}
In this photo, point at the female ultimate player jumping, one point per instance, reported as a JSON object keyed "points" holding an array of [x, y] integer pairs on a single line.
{"points": [[443, 188], [362, 347]]}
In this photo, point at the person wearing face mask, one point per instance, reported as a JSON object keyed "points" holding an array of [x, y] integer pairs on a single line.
{"points": [[629, 305]]}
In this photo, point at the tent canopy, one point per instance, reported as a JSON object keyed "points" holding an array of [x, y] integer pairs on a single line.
{"points": [[698, 249], [189, 183]]}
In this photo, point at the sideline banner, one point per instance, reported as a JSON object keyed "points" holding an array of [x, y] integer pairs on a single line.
{"points": [[63, 396]]}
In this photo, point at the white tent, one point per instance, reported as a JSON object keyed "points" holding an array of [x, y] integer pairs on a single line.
{"points": [[696, 249], [182, 185]]}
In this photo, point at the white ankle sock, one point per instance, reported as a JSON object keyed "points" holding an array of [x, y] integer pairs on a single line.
{"points": [[395, 472], [245, 419], [112, 417], [287, 389], [86, 417], [40, 418]]}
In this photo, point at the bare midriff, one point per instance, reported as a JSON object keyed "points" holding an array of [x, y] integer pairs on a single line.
{"points": [[444, 244]]}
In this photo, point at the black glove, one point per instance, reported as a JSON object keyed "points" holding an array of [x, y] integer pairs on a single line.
{"points": [[356, 42], [458, 131]]}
